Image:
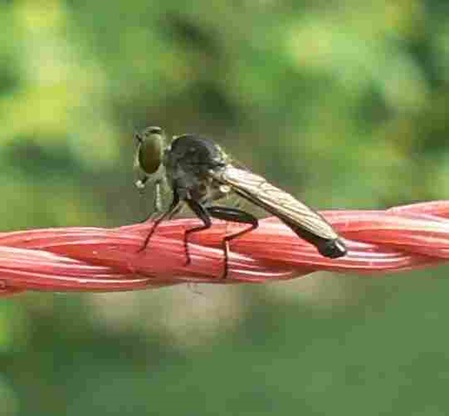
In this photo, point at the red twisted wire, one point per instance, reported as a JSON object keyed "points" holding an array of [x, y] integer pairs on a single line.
{"points": [[99, 259]]}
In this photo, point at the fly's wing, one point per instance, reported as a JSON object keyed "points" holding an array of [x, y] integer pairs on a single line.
{"points": [[305, 222]]}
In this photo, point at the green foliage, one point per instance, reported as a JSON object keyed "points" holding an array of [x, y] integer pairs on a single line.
{"points": [[342, 102]]}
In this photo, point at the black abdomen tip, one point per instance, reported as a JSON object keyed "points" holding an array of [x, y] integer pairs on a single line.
{"points": [[333, 249]]}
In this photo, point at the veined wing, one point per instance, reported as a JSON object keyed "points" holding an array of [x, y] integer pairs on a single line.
{"points": [[304, 221]]}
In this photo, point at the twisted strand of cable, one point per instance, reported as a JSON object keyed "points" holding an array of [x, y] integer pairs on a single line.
{"points": [[102, 259]]}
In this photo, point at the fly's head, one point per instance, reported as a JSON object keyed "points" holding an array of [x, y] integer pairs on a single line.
{"points": [[149, 152]]}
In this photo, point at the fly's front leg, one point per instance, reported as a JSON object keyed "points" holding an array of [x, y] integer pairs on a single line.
{"points": [[157, 199], [235, 215], [174, 206], [157, 203]]}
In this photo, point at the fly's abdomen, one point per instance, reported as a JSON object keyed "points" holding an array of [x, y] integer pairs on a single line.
{"points": [[333, 248]]}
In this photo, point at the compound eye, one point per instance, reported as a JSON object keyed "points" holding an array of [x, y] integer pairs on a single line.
{"points": [[149, 153]]}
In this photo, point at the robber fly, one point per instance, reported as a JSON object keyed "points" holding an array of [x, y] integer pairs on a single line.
{"points": [[199, 173]]}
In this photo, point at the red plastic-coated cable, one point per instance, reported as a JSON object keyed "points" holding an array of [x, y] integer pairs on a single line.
{"points": [[99, 259]]}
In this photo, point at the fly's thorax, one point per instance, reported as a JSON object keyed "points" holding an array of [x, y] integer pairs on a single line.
{"points": [[196, 154], [209, 190], [189, 183], [188, 162], [218, 190]]}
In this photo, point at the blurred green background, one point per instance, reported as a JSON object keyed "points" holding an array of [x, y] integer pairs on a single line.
{"points": [[344, 103]]}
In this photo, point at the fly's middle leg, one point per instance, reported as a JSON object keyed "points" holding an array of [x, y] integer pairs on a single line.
{"points": [[200, 211]]}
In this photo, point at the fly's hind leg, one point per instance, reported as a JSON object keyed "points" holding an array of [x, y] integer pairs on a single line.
{"points": [[235, 215]]}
